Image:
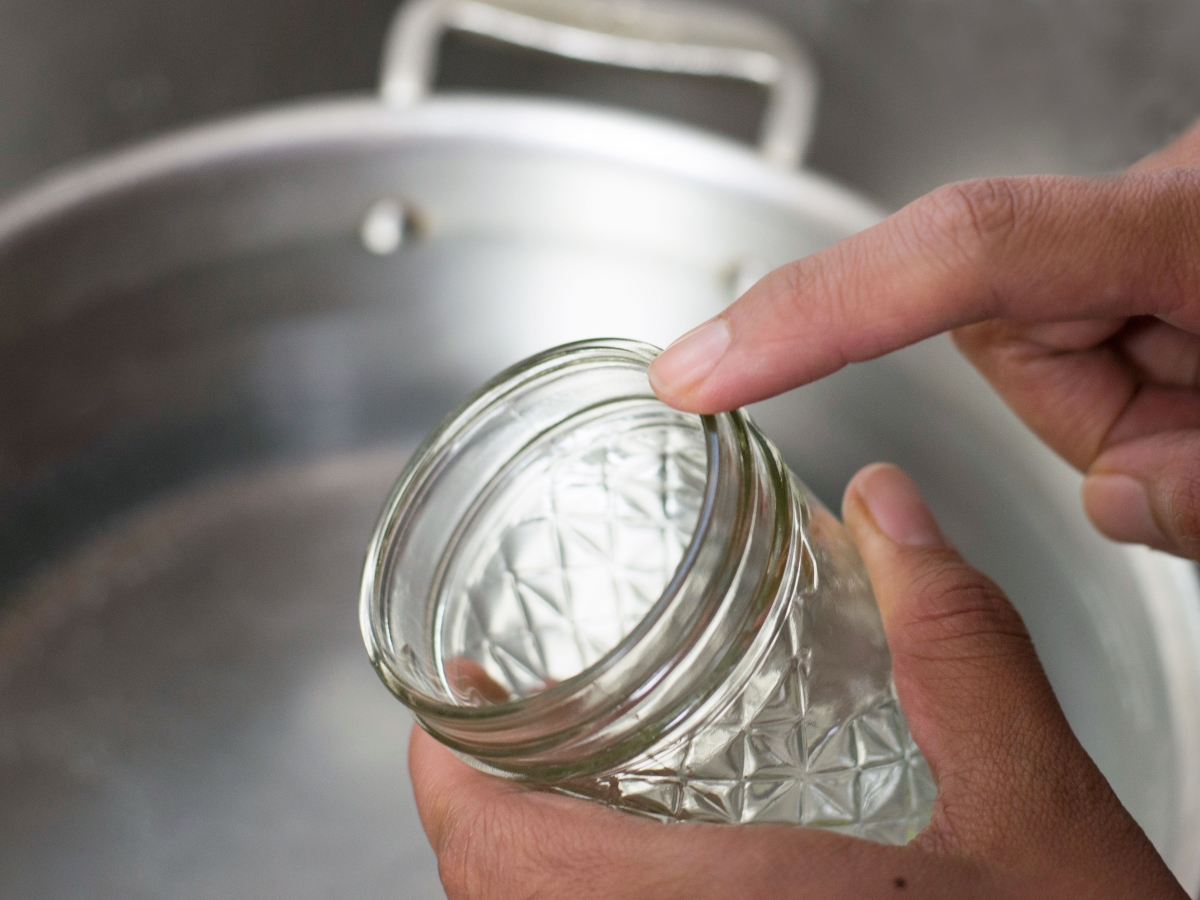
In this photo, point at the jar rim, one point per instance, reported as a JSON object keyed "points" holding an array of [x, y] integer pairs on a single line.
{"points": [[406, 492]]}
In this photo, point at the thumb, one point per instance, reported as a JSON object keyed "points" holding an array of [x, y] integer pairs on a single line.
{"points": [[1014, 784], [1147, 491]]}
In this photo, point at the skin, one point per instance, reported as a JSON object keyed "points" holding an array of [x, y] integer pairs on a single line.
{"points": [[1079, 300]]}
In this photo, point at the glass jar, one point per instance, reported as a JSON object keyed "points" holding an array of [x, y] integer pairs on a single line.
{"points": [[574, 585]]}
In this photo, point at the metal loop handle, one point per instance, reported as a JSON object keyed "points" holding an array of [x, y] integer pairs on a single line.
{"points": [[658, 35]]}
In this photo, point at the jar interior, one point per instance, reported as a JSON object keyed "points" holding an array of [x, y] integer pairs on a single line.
{"points": [[535, 531], [567, 549]]}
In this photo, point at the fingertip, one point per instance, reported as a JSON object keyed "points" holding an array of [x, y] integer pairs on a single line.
{"points": [[853, 504], [1119, 507], [883, 496], [678, 373]]}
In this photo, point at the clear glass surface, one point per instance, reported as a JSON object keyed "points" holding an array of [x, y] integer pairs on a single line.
{"points": [[566, 554], [576, 585], [811, 736]]}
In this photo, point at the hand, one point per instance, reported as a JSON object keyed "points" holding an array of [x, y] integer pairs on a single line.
{"points": [[1079, 299], [1021, 810]]}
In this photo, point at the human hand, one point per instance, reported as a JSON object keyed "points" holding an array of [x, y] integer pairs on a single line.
{"points": [[1078, 299], [1021, 809]]}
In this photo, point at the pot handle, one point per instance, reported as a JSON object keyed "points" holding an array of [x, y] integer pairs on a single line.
{"points": [[652, 35]]}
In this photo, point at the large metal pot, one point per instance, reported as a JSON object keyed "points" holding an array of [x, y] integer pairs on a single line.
{"points": [[217, 349]]}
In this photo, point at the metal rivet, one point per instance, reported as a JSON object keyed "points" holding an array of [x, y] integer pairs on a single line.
{"points": [[385, 227]]}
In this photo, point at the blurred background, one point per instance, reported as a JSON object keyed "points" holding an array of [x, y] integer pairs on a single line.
{"points": [[914, 93], [211, 371]]}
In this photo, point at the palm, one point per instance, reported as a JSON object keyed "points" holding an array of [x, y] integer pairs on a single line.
{"points": [[1022, 812]]}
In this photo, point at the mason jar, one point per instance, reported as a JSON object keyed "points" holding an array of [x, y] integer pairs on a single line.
{"points": [[576, 586]]}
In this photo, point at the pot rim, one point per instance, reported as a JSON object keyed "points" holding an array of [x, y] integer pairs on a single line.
{"points": [[1169, 587], [598, 133]]}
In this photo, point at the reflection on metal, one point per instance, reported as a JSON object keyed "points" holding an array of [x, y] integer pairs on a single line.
{"points": [[385, 227], [553, 223], [654, 36], [192, 307]]}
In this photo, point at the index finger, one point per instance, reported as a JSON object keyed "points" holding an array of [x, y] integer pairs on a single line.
{"points": [[1033, 249]]}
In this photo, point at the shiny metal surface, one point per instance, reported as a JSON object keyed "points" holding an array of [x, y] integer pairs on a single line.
{"points": [[217, 348], [184, 707], [208, 383], [914, 92], [657, 36]]}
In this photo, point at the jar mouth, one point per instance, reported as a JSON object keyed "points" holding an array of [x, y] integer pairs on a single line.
{"points": [[415, 673]]}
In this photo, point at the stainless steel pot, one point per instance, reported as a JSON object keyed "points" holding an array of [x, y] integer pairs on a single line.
{"points": [[216, 351]]}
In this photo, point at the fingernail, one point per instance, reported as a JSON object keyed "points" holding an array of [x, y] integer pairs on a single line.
{"points": [[897, 507], [691, 358], [1119, 507]]}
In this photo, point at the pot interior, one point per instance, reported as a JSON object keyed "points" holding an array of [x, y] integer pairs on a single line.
{"points": [[207, 386]]}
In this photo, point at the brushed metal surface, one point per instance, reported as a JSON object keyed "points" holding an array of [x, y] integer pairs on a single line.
{"points": [[206, 385], [207, 382], [914, 92], [185, 708]]}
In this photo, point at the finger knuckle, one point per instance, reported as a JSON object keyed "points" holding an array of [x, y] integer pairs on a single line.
{"points": [[1182, 512], [955, 611], [976, 221], [819, 275], [1163, 231]]}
